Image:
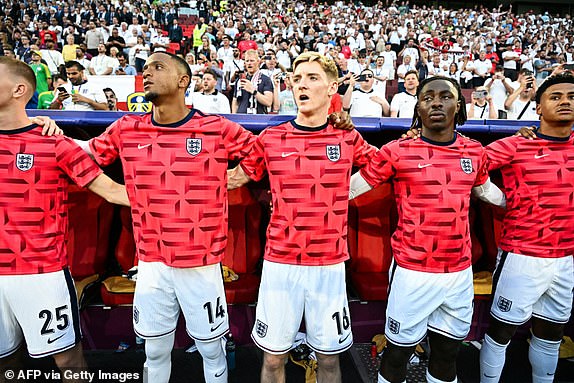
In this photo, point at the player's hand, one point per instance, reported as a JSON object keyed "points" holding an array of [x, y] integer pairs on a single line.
{"points": [[413, 133], [527, 132], [341, 120], [49, 127]]}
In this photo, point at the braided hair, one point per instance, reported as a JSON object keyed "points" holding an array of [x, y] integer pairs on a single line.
{"points": [[460, 117]]}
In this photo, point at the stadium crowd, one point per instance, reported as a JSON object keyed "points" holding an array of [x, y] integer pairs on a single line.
{"points": [[500, 53]]}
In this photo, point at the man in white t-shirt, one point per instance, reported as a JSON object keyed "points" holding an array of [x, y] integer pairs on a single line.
{"points": [[520, 104], [481, 106], [499, 88], [511, 60], [209, 100], [381, 75], [390, 57], [79, 94], [364, 101], [102, 64], [402, 70], [403, 103], [482, 68]]}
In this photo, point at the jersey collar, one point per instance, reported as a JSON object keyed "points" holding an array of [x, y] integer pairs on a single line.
{"points": [[174, 124], [438, 143], [307, 128], [19, 130]]}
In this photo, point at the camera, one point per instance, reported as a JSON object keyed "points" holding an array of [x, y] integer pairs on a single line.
{"points": [[282, 76], [479, 94], [362, 78]]}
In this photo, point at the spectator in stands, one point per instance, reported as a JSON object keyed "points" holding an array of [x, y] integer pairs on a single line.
{"points": [[115, 40], [82, 59], [206, 48], [381, 75], [246, 44], [390, 57], [481, 106], [124, 68], [198, 31], [492, 56], [46, 98], [93, 39], [482, 67], [511, 58], [24, 51], [42, 73], [111, 98], [403, 103], [209, 99], [453, 72], [175, 33], [69, 50], [140, 53], [102, 64], [364, 101], [283, 100], [499, 87], [252, 94], [520, 105], [466, 72], [435, 68], [52, 57], [79, 94], [402, 70]]}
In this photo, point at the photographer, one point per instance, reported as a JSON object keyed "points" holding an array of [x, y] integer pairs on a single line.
{"points": [[481, 106], [520, 104], [283, 100], [364, 101]]}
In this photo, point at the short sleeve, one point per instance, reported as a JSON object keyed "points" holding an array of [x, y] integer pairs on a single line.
{"points": [[76, 163], [106, 147]]}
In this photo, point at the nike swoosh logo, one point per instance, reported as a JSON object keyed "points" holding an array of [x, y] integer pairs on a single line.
{"points": [[489, 376], [216, 327], [540, 156], [287, 154], [50, 341], [344, 339], [143, 146], [221, 373], [421, 166]]}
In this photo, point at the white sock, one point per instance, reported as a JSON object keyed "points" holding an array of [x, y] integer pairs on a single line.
{"points": [[214, 361], [157, 366], [492, 358], [543, 356], [432, 379], [380, 379]]}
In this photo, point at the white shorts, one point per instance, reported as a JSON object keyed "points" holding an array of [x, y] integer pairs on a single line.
{"points": [[439, 302], [289, 292], [40, 308], [161, 291], [525, 286]]}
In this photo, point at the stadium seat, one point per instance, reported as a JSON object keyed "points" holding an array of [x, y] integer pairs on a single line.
{"points": [[119, 290], [89, 223], [372, 220], [244, 248]]}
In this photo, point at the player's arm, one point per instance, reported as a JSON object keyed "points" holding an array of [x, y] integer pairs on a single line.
{"points": [[236, 178], [489, 192], [109, 190], [358, 186], [85, 145]]}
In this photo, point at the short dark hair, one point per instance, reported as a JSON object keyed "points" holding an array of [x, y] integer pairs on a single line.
{"points": [[74, 63], [412, 71], [211, 72], [562, 78], [180, 62]]}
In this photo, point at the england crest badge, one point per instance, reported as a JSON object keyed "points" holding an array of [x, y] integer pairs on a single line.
{"points": [[466, 165], [334, 152], [24, 162], [193, 146]]}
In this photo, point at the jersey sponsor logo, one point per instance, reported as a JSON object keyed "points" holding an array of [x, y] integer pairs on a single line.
{"points": [[422, 166], [284, 154], [394, 326], [466, 165], [193, 146], [136, 315], [260, 329], [140, 146], [50, 340], [504, 304], [24, 162], [539, 156], [333, 152]]}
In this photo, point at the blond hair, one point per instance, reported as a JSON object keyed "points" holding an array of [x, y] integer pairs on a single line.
{"points": [[326, 63]]}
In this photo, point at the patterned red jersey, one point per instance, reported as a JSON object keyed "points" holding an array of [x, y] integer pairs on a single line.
{"points": [[35, 172], [432, 182], [309, 172], [176, 179], [538, 177]]}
